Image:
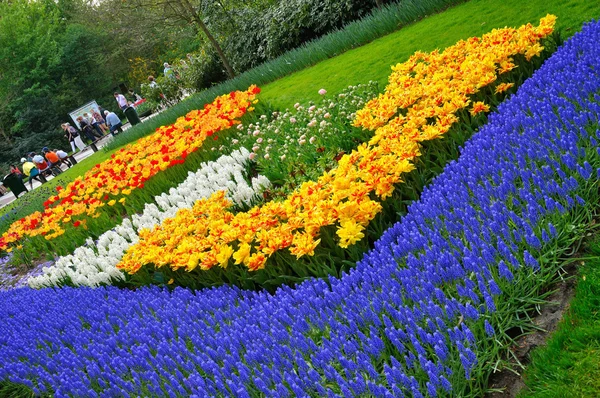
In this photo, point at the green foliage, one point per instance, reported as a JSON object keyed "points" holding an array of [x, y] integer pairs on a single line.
{"points": [[14, 390], [48, 69], [85, 68], [166, 93], [380, 22], [57, 56], [298, 145], [262, 34], [199, 70], [570, 365]]}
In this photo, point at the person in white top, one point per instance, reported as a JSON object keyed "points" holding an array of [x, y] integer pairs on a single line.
{"points": [[152, 81], [64, 157], [93, 122], [121, 100], [73, 136]]}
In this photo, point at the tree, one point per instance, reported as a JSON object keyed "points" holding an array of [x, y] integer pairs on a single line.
{"points": [[29, 55], [49, 65], [184, 10]]}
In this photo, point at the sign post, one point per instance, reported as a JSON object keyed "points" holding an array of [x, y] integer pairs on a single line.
{"points": [[84, 109]]}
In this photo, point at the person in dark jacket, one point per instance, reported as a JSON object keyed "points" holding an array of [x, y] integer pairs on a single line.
{"points": [[87, 129], [73, 136]]}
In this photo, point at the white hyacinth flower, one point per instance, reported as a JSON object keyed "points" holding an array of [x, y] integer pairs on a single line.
{"points": [[95, 264]]}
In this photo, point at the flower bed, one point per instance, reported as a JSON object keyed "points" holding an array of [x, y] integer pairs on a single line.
{"points": [[299, 144], [348, 197], [411, 319], [95, 264], [129, 169]]}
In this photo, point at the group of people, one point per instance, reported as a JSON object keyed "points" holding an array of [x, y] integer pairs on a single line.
{"points": [[36, 166], [94, 125]]}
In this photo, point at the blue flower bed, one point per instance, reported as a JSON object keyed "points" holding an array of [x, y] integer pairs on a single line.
{"points": [[415, 317]]}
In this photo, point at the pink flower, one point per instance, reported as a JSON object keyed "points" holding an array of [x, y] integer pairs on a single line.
{"points": [[252, 156], [259, 141], [292, 120], [256, 132], [322, 91]]}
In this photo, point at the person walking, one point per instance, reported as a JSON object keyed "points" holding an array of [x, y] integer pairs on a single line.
{"points": [[114, 122], [73, 136]]}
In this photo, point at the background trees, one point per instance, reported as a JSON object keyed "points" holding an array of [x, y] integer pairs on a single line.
{"points": [[57, 55]]}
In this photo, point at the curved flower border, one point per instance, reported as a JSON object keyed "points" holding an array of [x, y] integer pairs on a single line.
{"points": [[95, 263]]}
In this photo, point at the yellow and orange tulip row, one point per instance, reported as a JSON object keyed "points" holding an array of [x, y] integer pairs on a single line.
{"points": [[436, 85], [129, 168], [432, 87]]}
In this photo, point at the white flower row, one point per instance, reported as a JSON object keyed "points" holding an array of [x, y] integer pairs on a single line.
{"points": [[95, 264]]}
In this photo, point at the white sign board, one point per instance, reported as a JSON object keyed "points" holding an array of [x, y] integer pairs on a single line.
{"points": [[84, 109]]}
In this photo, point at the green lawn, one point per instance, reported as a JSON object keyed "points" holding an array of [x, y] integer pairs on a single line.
{"points": [[569, 366], [373, 61]]}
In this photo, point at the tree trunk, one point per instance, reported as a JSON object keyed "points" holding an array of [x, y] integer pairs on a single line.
{"points": [[214, 42]]}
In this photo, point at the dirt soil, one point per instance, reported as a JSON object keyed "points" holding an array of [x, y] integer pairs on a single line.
{"points": [[551, 314]]}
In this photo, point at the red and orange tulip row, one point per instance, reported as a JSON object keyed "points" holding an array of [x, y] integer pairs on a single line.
{"points": [[129, 168]]}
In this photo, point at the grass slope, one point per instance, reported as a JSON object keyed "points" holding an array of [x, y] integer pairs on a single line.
{"points": [[372, 61], [569, 366]]}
